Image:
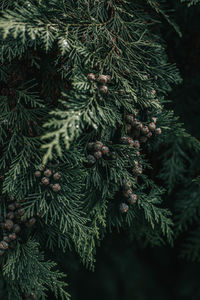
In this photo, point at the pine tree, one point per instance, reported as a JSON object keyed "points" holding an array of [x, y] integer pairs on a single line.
{"points": [[82, 106]]}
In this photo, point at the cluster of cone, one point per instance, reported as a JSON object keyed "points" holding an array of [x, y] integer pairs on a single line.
{"points": [[138, 132], [129, 195], [98, 150], [12, 224], [48, 178], [102, 80]]}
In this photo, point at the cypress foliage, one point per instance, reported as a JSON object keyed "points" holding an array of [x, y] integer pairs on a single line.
{"points": [[82, 108]]}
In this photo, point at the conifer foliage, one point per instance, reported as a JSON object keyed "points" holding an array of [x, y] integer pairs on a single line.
{"points": [[190, 2], [81, 106]]}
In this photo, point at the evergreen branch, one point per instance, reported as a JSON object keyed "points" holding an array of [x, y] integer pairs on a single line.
{"points": [[29, 273], [191, 2], [156, 215], [157, 8]]}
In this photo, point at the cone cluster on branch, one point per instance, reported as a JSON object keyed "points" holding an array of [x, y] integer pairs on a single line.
{"points": [[98, 150], [12, 225], [49, 178], [138, 132], [130, 195], [102, 80]]}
